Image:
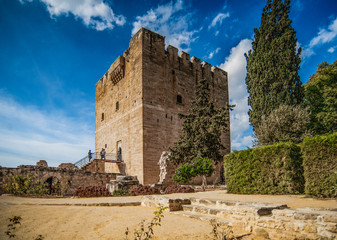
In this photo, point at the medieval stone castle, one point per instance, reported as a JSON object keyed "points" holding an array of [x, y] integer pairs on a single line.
{"points": [[138, 100]]}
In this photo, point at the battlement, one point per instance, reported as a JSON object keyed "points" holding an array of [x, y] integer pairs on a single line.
{"points": [[151, 44]]}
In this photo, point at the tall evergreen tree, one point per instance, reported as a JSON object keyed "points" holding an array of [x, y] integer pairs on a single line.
{"points": [[321, 98], [202, 129], [272, 65]]}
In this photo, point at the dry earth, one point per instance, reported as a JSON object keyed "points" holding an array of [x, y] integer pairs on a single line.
{"points": [[53, 220]]}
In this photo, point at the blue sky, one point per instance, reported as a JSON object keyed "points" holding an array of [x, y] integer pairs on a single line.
{"points": [[52, 53]]}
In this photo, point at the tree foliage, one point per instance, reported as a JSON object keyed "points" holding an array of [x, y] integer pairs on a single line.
{"points": [[272, 65], [321, 98], [199, 167], [286, 123], [202, 129]]}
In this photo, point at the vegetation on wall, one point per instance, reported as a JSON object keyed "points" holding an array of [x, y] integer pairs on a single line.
{"points": [[24, 185], [201, 129], [320, 165], [272, 65], [321, 98], [273, 169]]}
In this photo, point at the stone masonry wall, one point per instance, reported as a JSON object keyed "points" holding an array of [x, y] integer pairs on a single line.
{"points": [[158, 84], [70, 179]]}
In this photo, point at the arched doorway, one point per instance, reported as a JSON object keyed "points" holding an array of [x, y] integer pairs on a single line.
{"points": [[54, 185]]}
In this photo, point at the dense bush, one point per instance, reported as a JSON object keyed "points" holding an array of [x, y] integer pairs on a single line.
{"points": [[199, 167], [24, 185], [92, 191], [273, 169], [320, 165], [285, 123], [144, 190], [178, 189]]}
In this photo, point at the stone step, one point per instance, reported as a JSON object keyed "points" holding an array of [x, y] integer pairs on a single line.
{"points": [[261, 209], [230, 211], [204, 217]]}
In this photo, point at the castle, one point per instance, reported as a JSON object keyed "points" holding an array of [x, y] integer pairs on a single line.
{"points": [[138, 100]]}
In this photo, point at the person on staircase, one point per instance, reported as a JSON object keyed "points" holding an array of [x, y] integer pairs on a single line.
{"points": [[103, 154], [89, 155]]}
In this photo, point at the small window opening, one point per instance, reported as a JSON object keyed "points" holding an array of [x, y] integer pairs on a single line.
{"points": [[179, 99], [117, 106], [106, 145], [102, 118]]}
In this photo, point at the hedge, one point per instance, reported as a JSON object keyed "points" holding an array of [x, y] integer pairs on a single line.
{"points": [[273, 169], [320, 165]]}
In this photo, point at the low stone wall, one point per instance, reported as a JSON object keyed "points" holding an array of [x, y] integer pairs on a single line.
{"points": [[70, 179], [264, 221]]}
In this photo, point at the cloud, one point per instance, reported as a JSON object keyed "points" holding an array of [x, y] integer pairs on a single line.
{"points": [[210, 56], [325, 35], [218, 19], [29, 134], [94, 13], [332, 49], [171, 20], [235, 65]]}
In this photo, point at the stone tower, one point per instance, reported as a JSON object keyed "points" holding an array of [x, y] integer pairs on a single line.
{"points": [[138, 100]]}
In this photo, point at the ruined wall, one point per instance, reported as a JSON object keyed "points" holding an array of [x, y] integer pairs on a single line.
{"points": [[70, 179], [157, 85]]}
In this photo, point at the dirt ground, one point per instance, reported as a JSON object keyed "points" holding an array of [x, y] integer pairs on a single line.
{"points": [[83, 222], [74, 222]]}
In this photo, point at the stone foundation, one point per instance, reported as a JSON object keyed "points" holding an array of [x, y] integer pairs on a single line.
{"points": [[261, 221]]}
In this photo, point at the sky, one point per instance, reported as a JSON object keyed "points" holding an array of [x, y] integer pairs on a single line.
{"points": [[53, 52]]}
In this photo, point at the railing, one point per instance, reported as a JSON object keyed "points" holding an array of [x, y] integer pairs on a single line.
{"points": [[94, 155]]}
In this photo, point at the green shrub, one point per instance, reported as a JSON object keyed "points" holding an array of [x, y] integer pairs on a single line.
{"points": [[320, 165], [199, 167], [120, 192], [273, 169], [24, 185]]}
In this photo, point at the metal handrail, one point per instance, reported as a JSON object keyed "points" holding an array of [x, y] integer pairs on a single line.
{"points": [[94, 155]]}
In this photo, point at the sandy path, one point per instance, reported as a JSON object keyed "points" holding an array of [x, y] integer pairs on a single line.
{"points": [[73, 222]]}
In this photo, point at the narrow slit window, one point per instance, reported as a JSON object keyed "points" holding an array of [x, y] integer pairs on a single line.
{"points": [[102, 117], [179, 99], [117, 106]]}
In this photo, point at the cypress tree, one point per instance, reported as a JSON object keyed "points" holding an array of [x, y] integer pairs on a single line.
{"points": [[272, 65], [202, 129]]}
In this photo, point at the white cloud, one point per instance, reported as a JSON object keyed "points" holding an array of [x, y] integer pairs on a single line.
{"points": [[29, 134], [210, 56], [93, 13], [218, 19], [325, 35], [235, 65], [332, 49], [170, 20]]}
